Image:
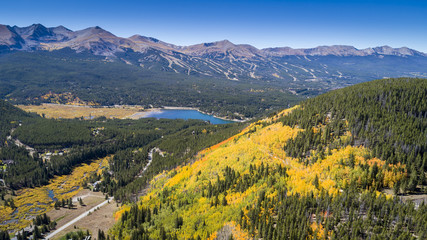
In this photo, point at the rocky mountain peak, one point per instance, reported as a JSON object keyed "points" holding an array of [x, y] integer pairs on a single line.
{"points": [[224, 47], [337, 50], [9, 38], [403, 51], [61, 28], [95, 31], [38, 36], [35, 32], [140, 38]]}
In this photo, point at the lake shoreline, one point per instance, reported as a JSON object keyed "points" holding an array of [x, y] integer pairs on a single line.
{"points": [[180, 113], [148, 111], [197, 109], [138, 110]]}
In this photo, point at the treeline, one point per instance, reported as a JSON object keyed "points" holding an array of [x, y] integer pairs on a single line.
{"points": [[388, 116]]}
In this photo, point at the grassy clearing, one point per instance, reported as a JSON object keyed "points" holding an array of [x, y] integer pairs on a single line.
{"points": [[86, 112]]}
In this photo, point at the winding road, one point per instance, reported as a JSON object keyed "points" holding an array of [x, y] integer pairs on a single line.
{"points": [[20, 144], [83, 215], [150, 159]]}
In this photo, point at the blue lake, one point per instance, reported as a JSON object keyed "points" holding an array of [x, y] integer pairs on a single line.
{"points": [[186, 114]]}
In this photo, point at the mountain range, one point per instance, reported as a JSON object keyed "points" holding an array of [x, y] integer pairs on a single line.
{"points": [[102, 42], [223, 59]]}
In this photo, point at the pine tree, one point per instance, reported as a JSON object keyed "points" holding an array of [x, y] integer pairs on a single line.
{"points": [[4, 235], [316, 182], [396, 188], [36, 234]]}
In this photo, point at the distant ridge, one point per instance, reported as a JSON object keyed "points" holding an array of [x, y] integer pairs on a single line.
{"points": [[300, 72], [342, 50], [102, 42]]}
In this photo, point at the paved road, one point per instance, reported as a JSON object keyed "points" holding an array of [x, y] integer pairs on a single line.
{"points": [[83, 215]]}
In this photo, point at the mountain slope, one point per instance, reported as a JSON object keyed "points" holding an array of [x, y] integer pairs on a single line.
{"points": [[63, 76], [9, 38], [249, 186]]}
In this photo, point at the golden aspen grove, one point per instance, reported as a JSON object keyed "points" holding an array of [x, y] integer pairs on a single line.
{"points": [[252, 173]]}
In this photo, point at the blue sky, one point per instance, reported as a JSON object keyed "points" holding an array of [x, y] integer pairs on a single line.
{"points": [[268, 23]]}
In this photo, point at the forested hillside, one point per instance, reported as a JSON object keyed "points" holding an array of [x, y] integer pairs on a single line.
{"points": [[39, 151], [315, 171], [387, 116], [10, 117], [83, 141], [64, 76]]}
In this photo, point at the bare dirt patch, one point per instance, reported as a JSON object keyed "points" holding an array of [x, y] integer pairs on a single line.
{"points": [[101, 219], [417, 198]]}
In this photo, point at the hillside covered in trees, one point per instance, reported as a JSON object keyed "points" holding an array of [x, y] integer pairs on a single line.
{"points": [[83, 141], [35, 152], [30, 78], [316, 171]]}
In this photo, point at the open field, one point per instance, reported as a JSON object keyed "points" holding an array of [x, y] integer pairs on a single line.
{"points": [[100, 219], [87, 112], [31, 202]]}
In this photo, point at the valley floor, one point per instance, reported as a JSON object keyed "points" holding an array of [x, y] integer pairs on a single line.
{"points": [[87, 112], [31, 202], [67, 111]]}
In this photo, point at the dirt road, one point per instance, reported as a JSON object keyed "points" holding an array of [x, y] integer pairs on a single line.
{"points": [[83, 215]]}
